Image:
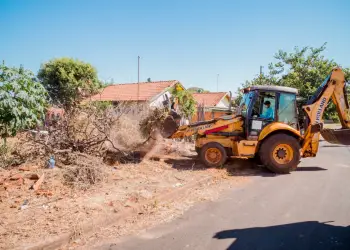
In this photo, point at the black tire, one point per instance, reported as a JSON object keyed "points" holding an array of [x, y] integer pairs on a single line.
{"points": [[213, 145], [257, 160], [266, 153]]}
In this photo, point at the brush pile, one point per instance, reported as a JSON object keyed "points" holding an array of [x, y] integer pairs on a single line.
{"points": [[86, 139]]}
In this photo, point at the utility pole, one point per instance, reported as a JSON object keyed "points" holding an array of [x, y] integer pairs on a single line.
{"points": [[138, 78], [138, 69], [217, 83], [260, 76]]}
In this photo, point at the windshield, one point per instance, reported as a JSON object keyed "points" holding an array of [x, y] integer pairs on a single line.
{"points": [[243, 106]]}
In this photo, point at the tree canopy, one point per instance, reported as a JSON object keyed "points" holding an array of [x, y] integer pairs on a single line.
{"points": [[304, 68], [187, 104], [22, 100], [68, 81], [197, 90]]}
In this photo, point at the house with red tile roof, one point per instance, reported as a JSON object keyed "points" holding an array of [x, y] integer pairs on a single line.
{"points": [[211, 105], [155, 93], [213, 99]]}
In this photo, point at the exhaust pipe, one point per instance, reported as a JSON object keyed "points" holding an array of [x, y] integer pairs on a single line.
{"points": [[230, 105]]}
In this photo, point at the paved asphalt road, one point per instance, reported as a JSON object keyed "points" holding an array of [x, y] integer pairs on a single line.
{"points": [[308, 209]]}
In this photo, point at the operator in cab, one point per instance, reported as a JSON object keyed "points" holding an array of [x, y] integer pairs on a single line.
{"points": [[269, 112]]}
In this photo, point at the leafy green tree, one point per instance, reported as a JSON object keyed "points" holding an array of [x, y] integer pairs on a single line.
{"points": [[149, 79], [197, 90], [68, 81], [304, 69], [22, 100], [187, 104]]}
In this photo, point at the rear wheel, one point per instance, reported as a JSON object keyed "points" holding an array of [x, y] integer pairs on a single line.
{"points": [[213, 154], [280, 153]]}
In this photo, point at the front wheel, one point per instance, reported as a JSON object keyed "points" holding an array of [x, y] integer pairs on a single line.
{"points": [[280, 153], [213, 154]]}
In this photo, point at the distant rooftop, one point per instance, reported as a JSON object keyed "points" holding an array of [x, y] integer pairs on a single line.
{"points": [[128, 91], [209, 99]]}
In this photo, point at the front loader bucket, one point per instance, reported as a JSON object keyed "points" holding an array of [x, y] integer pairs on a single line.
{"points": [[336, 136], [169, 127]]}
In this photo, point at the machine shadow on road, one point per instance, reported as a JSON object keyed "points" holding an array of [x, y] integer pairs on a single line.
{"points": [[310, 169], [302, 235], [234, 167]]}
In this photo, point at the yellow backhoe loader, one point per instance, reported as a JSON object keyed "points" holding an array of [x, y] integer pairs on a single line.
{"points": [[278, 141]]}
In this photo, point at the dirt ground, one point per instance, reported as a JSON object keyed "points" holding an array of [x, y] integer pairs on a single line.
{"points": [[166, 212], [28, 216]]}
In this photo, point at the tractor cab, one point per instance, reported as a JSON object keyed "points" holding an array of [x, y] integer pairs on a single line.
{"points": [[263, 105]]}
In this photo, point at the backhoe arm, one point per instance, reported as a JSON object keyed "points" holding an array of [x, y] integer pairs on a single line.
{"points": [[224, 126], [192, 129], [333, 88]]}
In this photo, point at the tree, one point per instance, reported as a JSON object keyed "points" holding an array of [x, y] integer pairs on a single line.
{"points": [[68, 81], [197, 90], [149, 79], [187, 104], [304, 69], [22, 100]]}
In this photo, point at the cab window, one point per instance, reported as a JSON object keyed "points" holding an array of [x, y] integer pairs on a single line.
{"points": [[271, 99], [260, 109], [287, 109], [245, 102]]}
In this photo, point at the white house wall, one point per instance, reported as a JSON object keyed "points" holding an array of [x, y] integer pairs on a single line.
{"points": [[224, 103], [158, 102]]}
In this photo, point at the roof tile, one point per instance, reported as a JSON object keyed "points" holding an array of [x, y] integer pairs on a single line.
{"points": [[209, 99], [128, 91]]}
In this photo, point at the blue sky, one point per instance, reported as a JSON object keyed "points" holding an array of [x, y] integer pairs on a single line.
{"points": [[187, 40]]}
